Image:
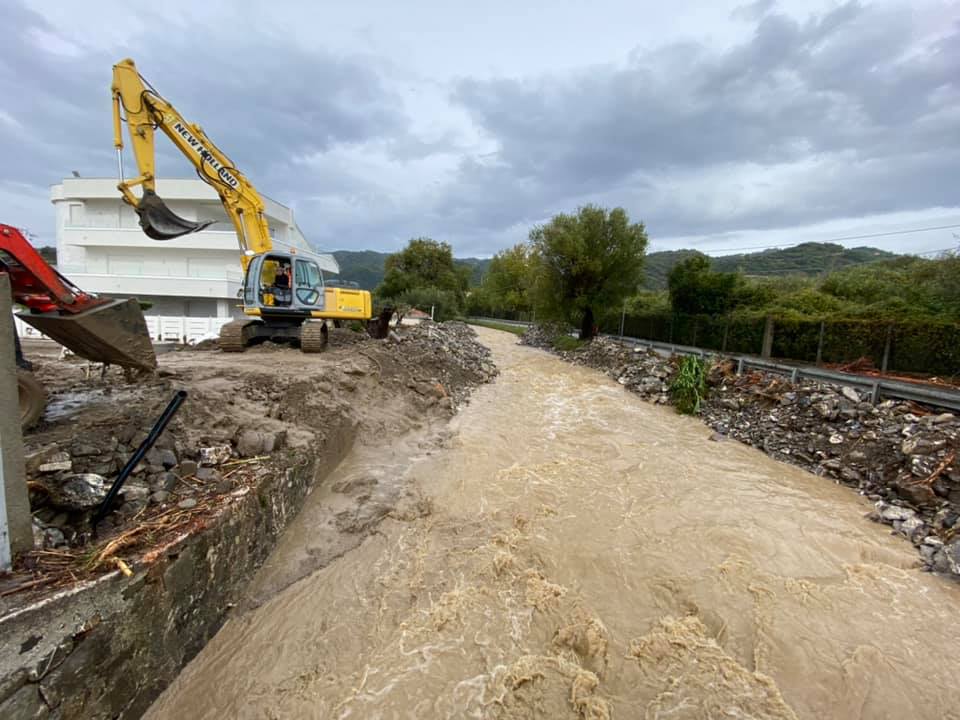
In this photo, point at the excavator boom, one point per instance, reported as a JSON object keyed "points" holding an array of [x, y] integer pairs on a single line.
{"points": [[95, 328], [143, 109]]}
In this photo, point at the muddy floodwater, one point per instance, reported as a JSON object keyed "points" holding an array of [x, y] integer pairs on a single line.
{"points": [[566, 550]]}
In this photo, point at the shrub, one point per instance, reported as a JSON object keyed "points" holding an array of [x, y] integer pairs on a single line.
{"points": [[566, 343], [689, 387]]}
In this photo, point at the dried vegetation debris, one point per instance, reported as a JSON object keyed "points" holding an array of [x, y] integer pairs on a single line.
{"points": [[903, 456]]}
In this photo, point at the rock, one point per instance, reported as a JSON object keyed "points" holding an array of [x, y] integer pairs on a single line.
{"points": [[250, 443], [164, 481], [56, 462], [895, 512], [187, 503], [214, 455], [188, 468], [915, 493], [947, 558], [718, 437], [649, 385], [206, 474], [33, 460], [223, 487], [942, 418], [826, 410], [81, 491], [158, 497], [84, 450], [850, 394], [135, 491], [910, 526], [850, 475], [836, 439], [53, 537], [168, 459]]}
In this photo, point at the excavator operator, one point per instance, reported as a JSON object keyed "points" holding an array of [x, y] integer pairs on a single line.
{"points": [[275, 282]]}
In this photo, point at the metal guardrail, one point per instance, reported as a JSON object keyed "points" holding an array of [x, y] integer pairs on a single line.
{"points": [[879, 388]]}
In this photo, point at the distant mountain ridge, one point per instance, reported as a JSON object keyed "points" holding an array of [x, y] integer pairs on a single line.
{"points": [[365, 267], [810, 258]]}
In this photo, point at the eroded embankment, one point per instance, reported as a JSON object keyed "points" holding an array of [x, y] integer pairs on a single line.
{"points": [[903, 456], [96, 627]]}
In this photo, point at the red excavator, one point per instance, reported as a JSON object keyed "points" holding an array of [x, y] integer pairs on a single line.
{"points": [[99, 329]]}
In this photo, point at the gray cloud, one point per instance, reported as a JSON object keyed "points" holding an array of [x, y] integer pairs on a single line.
{"points": [[801, 119], [853, 82]]}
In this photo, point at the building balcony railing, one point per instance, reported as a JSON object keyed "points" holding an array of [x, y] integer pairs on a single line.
{"points": [[159, 272], [223, 285]]}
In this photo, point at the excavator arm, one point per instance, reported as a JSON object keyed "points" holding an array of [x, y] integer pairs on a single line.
{"points": [[144, 110]]}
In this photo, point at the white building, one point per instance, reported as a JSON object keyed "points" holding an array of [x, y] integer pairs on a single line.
{"points": [[101, 248]]}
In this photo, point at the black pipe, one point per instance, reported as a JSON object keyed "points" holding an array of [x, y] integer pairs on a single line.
{"points": [[144, 448]]}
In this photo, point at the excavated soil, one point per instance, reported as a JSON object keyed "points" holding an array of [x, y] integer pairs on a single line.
{"points": [[247, 417]]}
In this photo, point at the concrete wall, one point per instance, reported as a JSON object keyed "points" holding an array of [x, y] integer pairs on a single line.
{"points": [[109, 649], [16, 498]]}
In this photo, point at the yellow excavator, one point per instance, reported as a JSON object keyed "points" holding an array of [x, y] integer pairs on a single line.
{"points": [[284, 295]]}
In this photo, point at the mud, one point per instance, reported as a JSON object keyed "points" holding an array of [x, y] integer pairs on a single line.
{"points": [[567, 550], [258, 414]]}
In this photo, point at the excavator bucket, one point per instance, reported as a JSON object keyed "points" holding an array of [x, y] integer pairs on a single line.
{"points": [[160, 222], [114, 332]]}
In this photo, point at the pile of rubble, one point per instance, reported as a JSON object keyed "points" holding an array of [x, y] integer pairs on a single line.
{"points": [[449, 354], [900, 455], [542, 336], [641, 371]]}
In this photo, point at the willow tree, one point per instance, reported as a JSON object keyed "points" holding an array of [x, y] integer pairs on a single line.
{"points": [[584, 264]]}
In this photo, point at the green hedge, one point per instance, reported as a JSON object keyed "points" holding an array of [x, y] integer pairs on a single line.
{"points": [[931, 348]]}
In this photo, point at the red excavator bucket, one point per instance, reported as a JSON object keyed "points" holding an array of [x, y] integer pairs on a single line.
{"points": [[160, 222], [114, 332]]}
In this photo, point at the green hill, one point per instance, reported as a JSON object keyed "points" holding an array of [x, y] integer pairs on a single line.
{"points": [[365, 267], [806, 259]]}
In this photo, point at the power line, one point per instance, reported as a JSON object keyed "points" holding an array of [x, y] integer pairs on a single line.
{"points": [[836, 239]]}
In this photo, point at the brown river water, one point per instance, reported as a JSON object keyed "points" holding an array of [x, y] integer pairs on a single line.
{"points": [[566, 550]]}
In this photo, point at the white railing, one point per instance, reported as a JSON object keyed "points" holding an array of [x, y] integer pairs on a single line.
{"points": [[158, 272], [162, 328]]}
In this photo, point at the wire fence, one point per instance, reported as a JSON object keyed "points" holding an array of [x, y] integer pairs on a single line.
{"points": [[918, 347], [929, 348]]}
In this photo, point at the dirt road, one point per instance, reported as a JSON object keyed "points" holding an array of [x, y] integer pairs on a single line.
{"points": [[567, 550]]}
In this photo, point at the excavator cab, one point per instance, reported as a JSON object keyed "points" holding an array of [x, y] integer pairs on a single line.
{"points": [[278, 283], [160, 222]]}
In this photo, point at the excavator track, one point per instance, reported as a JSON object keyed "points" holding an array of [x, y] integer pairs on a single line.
{"points": [[235, 336], [313, 336]]}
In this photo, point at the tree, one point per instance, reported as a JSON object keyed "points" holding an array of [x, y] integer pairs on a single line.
{"points": [[696, 290], [424, 263], [507, 282], [586, 263]]}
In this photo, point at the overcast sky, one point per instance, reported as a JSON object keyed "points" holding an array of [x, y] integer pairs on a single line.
{"points": [[721, 125]]}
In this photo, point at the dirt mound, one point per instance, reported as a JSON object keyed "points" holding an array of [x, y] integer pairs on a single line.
{"points": [[246, 415]]}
